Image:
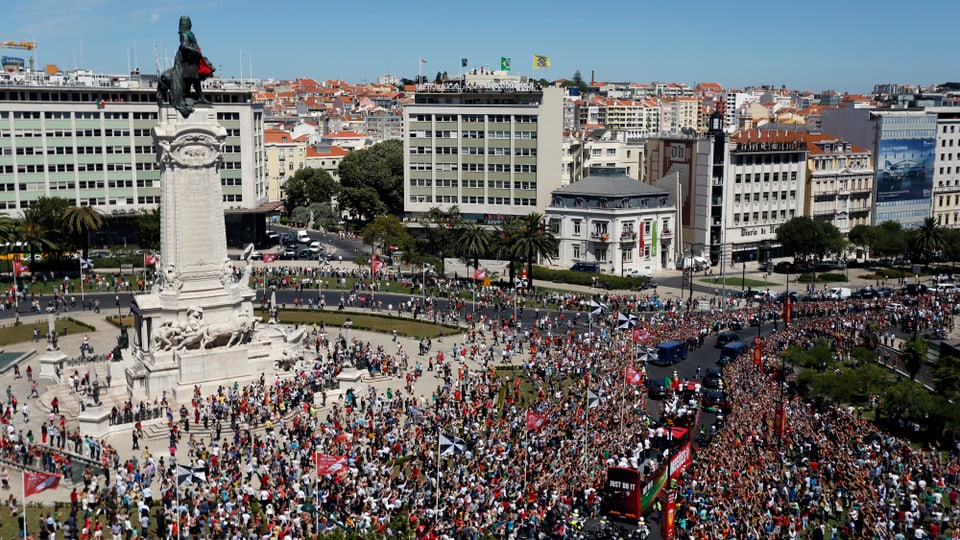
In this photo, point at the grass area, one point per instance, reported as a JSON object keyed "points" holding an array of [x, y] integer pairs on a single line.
{"points": [[41, 286], [822, 278], [361, 321], [736, 282], [24, 332]]}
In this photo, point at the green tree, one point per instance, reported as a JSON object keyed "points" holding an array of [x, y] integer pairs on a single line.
{"points": [[474, 240], [148, 222], [34, 234], [951, 247], [946, 377], [49, 212], [307, 186], [505, 240], [387, 231], [80, 220], [913, 352], [863, 236], [441, 227], [927, 239], [807, 238], [891, 239], [372, 180], [534, 241]]}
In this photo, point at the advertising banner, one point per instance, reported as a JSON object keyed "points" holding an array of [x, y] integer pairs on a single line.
{"points": [[904, 170]]}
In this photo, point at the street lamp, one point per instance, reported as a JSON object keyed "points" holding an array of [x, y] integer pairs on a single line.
{"points": [[427, 267]]}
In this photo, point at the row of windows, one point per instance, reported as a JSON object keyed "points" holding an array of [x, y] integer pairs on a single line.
{"points": [[475, 184], [941, 199], [500, 118], [761, 217], [766, 196], [766, 159], [766, 177], [473, 150], [516, 201]]}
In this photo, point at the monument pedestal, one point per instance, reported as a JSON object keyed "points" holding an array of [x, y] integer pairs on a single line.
{"points": [[51, 364], [197, 328]]}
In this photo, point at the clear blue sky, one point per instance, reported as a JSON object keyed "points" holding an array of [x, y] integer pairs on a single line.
{"points": [[846, 45]]}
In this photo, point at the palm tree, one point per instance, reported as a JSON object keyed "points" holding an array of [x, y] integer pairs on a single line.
{"points": [[535, 241], [928, 239], [34, 235], [505, 239], [474, 240], [80, 220]]}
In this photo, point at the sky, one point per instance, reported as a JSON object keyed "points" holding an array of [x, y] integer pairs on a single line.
{"points": [[845, 45]]}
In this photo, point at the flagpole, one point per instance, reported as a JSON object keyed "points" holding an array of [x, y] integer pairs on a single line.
{"points": [[436, 505], [23, 492]]}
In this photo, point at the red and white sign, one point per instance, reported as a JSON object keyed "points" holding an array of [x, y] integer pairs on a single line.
{"points": [[535, 421], [327, 464], [523, 274], [34, 483], [269, 257], [479, 274], [632, 375], [149, 259]]}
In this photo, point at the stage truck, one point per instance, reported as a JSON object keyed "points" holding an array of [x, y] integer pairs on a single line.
{"points": [[628, 495]]}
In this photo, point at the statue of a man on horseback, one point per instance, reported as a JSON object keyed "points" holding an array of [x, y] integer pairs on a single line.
{"points": [[181, 85]]}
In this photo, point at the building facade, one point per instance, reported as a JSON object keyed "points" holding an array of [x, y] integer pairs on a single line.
{"points": [[839, 183], [946, 168], [94, 147], [624, 225], [491, 151], [284, 154]]}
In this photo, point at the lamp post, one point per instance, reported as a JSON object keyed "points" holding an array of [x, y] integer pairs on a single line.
{"points": [[743, 275]]}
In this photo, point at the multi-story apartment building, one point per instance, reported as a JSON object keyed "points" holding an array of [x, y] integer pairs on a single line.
{"points": [[764, 186], [284, 154], [839, 181], [492, 149], [903, 143], [946, 168], [93, 145], [609, 218]]}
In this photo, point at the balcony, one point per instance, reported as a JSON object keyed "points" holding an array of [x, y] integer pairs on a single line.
{"points": [[602, 237], [627, 236], [666, 232]]}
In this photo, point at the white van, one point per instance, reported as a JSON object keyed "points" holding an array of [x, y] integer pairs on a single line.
{"points": [[303, 237], [839, 293]]}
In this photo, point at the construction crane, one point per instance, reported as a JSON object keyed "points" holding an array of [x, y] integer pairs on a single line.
{"points": [[25, 45]]}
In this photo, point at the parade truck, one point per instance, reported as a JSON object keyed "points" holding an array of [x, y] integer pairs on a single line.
{"points": [[671, 352], [628, 494]]}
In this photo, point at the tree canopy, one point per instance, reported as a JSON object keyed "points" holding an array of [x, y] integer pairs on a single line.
{"points": [[372, 180], [806, 238], [307, 186], [387, 231]]}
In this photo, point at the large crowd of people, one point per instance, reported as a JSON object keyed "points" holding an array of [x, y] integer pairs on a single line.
{"points": [[463, 461]]}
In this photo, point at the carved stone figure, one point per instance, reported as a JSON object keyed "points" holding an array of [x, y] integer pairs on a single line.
{"points": [[168, 336], [181, 85], [193, 330], [228, 334]]}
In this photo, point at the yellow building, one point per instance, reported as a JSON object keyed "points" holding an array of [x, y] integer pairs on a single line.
{"points": [[285, 154]]}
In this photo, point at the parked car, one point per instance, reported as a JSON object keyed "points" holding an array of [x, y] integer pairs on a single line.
{"points": [[713, 379], [316, 246], [287, 255], [865, 293], [305, 253], [783, 267], [585, 266], [643, 272]]}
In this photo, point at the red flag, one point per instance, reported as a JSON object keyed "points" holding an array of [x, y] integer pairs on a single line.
{"points": [[632, 375], [643, 227], [269, 257], [535, 421], [479, 274], [149, 259], [327, 464], [375, 264], [34, 483], [523, 274], [786, 310], [19, 267], [641, 334]]}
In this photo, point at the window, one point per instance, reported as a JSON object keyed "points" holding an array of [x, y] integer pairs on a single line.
{"points": [[576, 251], [601, 254], [576, 227]]}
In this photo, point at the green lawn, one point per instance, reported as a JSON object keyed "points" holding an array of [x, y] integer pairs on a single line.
{"points": [[361, 321], [24, 332], [733, 282]]}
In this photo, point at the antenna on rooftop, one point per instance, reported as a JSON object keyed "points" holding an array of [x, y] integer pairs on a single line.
{"points": [[156, 57]]}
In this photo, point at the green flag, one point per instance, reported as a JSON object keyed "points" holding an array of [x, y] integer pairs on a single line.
{"points": [[504, 63], [653, 241]]}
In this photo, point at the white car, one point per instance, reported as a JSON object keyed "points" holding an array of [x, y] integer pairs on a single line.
{"points": [[643, 272], [316, 246]]}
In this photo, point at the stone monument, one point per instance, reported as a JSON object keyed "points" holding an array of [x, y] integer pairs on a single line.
{"points": [[197, 327]]}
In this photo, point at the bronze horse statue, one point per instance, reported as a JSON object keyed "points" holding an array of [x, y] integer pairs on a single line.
{"points": [[180, 86]]}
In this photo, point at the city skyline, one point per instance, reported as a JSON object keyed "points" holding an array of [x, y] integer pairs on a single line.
{"points": [[755, 43]]}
